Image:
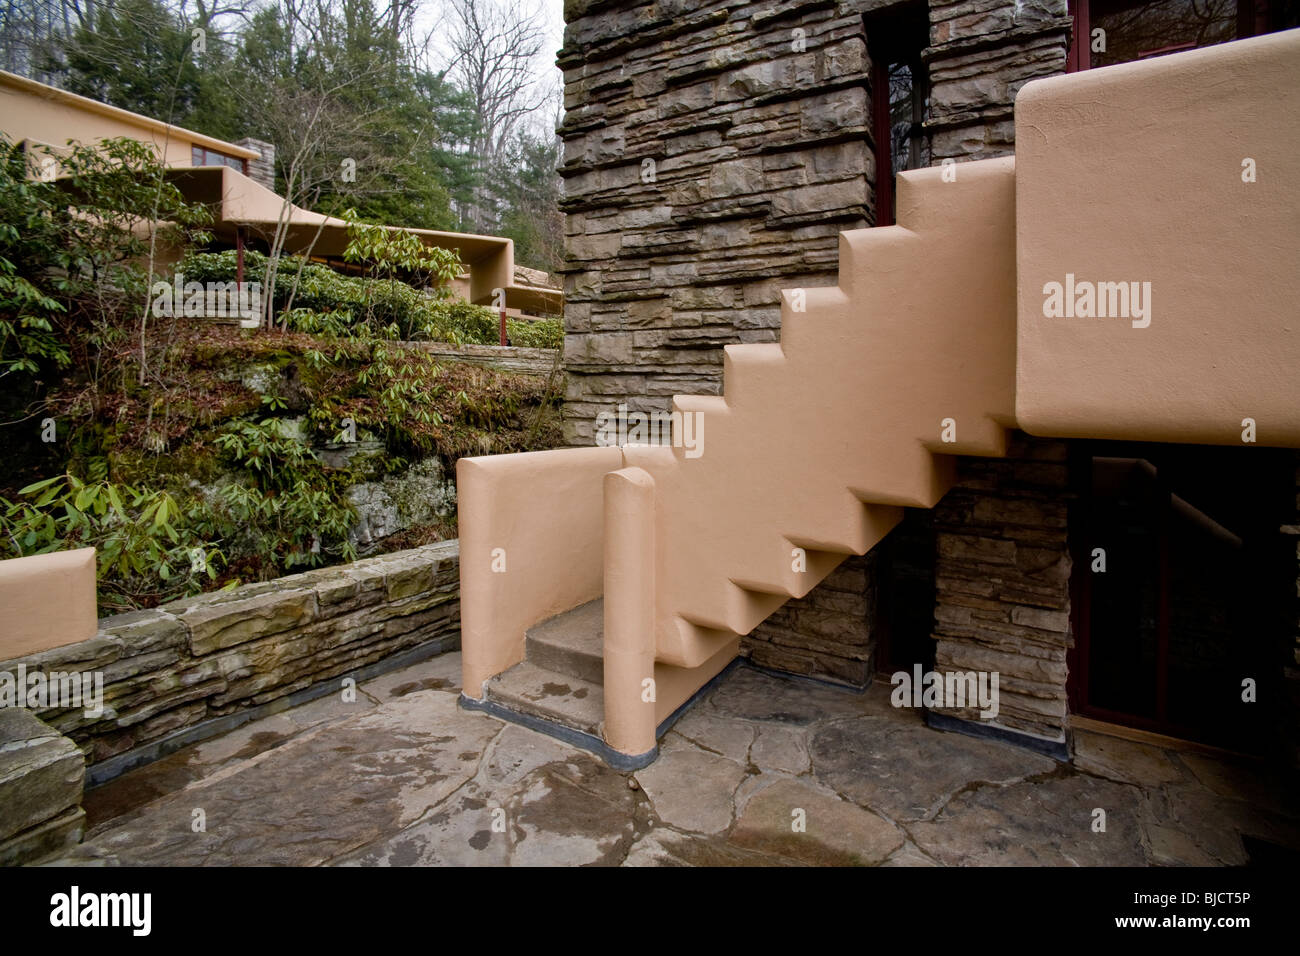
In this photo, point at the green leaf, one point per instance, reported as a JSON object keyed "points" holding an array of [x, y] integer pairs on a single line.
{"points": [[39, 485]]}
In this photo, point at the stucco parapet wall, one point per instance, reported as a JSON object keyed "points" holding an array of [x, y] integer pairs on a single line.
{"points": [[213, 654], [48, 599], [49, 114], [239, 202], [1164, 191]]}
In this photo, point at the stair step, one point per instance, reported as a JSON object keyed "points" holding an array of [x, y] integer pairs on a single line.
{"points": [[572, 643], [560, 698]]}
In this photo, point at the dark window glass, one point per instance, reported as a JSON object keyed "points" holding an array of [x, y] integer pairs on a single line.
{"points": [[1193, 596], [210, 157], [1136, 31], [899, 91], [909, 149]]}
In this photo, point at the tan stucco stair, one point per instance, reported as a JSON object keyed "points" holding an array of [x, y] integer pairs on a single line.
{"points": [[551, 696], [934, 341], [560, 679], [571, 643]]}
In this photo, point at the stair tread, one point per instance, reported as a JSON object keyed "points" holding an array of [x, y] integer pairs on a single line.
{"points": [[579, 631], [551, 695]]}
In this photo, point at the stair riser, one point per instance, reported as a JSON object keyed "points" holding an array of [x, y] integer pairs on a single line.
{"points": [[563, 660], [538, 708]]}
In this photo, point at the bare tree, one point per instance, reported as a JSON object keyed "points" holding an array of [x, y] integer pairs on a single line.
{"points": [[317, 129], [314, 133], [32, 31], [493, 48]]}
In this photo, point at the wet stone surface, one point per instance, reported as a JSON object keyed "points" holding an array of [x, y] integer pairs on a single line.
{"points": [[907, 770], [763, 771]]}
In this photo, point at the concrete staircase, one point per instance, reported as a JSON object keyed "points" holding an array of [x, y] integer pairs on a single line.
{"points": [[561, 677], [818, 442], [809, 456], [934, 341]]}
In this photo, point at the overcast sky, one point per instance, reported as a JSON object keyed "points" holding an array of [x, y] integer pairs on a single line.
{"points": [[550, 13]]}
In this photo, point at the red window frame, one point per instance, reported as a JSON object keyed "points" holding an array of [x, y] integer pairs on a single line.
{"points": [[880, 129], [1252, 20], [199, 156]]}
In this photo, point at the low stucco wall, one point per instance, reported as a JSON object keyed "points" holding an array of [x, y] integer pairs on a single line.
{"points": [[214, 655], [48, 599], [527, 563]]}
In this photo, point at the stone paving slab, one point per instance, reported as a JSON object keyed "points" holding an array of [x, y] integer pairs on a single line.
{"points": [[1045, 822], [692, 789], [1124, 760], [793, 819], [319, 795], [401, 776], [907, 770], [437, 673]]}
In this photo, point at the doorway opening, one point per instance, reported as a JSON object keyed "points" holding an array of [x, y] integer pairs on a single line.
{"points": [[1180, 593]]}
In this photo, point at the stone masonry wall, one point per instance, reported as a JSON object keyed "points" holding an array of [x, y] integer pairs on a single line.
{"points": [[42, 775], [213, 655], [981, 53], [262, 169], [756, 116], [760, 158], [1002, 581], [827, 633]]}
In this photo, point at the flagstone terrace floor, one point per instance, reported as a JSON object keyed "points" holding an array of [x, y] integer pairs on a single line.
{"points": [[403, 776]]}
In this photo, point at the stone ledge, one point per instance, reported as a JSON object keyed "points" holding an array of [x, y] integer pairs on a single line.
{"points": [[215, 654], [41, 776], [510, 358], [44, 839]]}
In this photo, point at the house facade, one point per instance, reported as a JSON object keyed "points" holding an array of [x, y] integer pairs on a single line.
{"points": [[237, 182], [1110, 567]]}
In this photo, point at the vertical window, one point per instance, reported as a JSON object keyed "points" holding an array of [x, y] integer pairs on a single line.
{"points": [[1179, 587], [908, 147], [900, 93]]}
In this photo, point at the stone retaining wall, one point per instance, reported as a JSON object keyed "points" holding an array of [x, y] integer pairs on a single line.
{"points": [[41, 778], [510, 358], [214, 655]]}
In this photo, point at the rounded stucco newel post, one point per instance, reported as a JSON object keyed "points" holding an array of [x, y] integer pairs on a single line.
{"points": [[629, 651]]}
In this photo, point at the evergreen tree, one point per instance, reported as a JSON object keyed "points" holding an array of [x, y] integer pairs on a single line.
{"points": [[139, 55]]}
